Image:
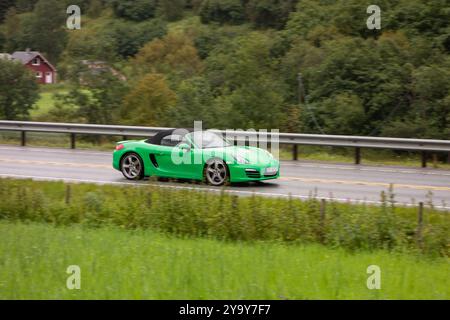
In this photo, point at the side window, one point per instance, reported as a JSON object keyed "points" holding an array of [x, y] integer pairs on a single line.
{"points": [[171, 141]]}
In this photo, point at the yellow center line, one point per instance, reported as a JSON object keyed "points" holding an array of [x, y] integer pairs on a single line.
{"points": [[366, 183]]}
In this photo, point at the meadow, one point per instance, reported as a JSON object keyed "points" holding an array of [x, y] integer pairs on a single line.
{"points": [[143, 264], [154, 243], [229, 217]]}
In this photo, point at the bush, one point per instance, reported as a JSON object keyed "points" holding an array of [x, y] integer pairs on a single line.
{"points": [[137, 10], [227, 217], [222, 11]]}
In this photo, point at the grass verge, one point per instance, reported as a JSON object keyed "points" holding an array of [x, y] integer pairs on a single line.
{"points": [[228, 217], [119, 264]]}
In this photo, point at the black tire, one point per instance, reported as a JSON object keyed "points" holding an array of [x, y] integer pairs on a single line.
{"points": [[216, 172], [132, 166]]}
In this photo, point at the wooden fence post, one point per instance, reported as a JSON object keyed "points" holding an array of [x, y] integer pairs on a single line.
{"points": [[419, 225], [68, 194], [323, 204]]}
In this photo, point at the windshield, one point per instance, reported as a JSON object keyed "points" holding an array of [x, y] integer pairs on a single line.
{"points": [[207, 140]]}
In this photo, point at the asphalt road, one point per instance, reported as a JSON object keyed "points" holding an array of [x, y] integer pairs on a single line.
{"points": [[342, 182]]}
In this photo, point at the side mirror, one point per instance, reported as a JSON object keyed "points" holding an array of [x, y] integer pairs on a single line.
{"points": [[184, 147]]}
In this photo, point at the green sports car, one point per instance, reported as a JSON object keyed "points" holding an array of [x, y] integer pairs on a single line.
{"points": [[194, 155]]}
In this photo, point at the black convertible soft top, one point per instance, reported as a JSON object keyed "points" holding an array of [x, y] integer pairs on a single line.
{"points": [[156, 139]]}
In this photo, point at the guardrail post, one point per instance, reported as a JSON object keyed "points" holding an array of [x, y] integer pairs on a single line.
{"points": [[295, 152], [435, 160], [72, 141], [424, 159], [357, 155], [125, 138], [23, 138]]}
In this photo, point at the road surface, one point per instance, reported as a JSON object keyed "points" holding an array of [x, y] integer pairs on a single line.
{"points": [[342, 182]]}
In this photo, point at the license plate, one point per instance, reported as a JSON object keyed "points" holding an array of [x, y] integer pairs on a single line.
{"points": [[272, 170]]}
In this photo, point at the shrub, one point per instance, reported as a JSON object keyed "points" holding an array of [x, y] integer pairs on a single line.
{"points": [[227, 217]]}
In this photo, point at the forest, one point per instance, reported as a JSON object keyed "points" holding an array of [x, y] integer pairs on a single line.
{"points": [[236, 64]]}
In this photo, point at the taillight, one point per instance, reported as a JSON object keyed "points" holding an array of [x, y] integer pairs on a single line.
{"points": [[119, 147]]}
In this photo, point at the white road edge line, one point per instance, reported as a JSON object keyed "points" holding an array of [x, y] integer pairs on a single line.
{"points": [[279, 195]]}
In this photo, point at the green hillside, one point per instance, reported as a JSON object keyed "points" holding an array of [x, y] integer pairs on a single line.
{"points": [[235, 63]]}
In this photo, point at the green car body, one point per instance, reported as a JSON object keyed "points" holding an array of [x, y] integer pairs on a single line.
{"points": [[243, 164]]}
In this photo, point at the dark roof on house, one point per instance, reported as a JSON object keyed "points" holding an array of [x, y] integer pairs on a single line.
{"points": [[26, 56]]}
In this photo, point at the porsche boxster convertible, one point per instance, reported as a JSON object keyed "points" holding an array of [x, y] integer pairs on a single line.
{"points": [[193, 155]]}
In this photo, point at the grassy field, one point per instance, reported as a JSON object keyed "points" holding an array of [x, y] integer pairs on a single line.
{"points": [[46, 100], [118, 264], [228, 217]]}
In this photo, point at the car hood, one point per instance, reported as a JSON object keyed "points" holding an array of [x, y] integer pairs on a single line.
{"points": [[254, 156]]}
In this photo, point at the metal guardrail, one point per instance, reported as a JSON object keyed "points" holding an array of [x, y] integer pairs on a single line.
{"points": [[294, 139]]}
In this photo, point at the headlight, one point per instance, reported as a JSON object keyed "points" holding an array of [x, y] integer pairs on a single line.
{"points": [[241, 160]]}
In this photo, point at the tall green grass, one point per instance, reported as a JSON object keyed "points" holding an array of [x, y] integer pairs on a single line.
{"points": [[228, 217], [142, 264]]}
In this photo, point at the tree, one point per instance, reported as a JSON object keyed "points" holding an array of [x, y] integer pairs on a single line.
{"points": [[195, 102], [95, 8], [2, 41], [136, 10], [172, 10], [88, 44], [130, 37], [120, 39], [174, 55], [5, 5], [12, 29], [150, 102], [25, 5], [244, 75], [309, 14], [48, 21], [270, 13], [341, 114], [18, 91], [222, 11], [96, 100]]}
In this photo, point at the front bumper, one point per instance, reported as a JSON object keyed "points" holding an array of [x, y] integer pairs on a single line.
{"points": [[247, 172]]}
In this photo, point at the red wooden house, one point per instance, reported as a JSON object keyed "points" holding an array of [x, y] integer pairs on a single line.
{"points": [[44, 71]]}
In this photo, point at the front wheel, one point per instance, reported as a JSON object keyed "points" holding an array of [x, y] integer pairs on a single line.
{"points": [[132, 167], [216, 172]]}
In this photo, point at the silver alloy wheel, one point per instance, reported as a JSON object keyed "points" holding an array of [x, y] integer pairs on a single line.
{"points": [[216, 172], [131, 167]]}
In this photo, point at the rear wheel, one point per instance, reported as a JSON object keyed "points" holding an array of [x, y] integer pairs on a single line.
{"points": [[132, 167], [216, 172]]}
